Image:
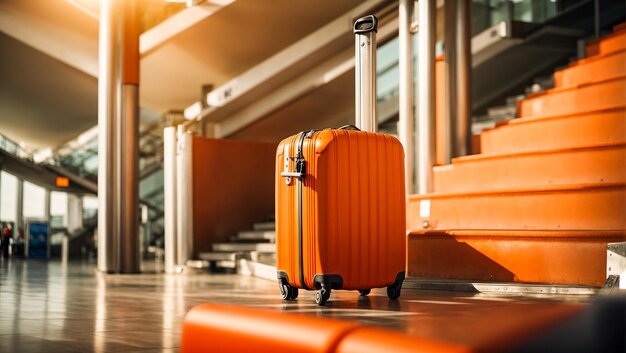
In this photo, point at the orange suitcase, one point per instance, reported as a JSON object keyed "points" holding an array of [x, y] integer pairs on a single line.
{"points": [[340, 198], [340, 202]]}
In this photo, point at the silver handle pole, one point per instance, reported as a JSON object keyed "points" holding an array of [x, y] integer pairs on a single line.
{"points": [[365, 73]]}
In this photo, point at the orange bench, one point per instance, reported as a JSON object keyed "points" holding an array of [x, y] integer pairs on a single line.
{"points": [[233, 329], [364, 340], [223, 328]]}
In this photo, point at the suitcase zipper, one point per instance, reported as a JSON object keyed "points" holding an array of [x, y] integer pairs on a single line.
{"points": [[301, 170]]}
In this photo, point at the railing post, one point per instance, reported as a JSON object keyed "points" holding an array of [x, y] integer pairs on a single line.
{"points": [[406, 126], [426, 37], [596, 18]]}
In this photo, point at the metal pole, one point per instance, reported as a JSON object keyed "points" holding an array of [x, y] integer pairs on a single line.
{"points": [[461, 142], [169, 196], [450, 61], [406, 126], [596, 18], [128, 143], [365, 73], [107, 78], [426, 38]]}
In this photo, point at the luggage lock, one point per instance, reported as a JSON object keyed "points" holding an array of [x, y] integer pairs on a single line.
{"points": [[299, 170], [298, 173]]}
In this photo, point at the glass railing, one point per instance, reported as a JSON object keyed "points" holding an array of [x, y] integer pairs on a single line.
{"points": [[485, 14], [80, 157], [488, 13], [14, 148]]}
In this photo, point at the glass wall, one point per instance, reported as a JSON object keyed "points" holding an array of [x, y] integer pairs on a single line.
{"points": [[90, 207], [34, 201], [58, 209], [8, 197]]}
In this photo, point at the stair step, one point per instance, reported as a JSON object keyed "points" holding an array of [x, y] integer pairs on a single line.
{"points": [[586, 206], [219, 256], [569, 131], [257, 235], [596, 164], [603, 95], [571, 257], [264, 226], [251, 268], [592, 70], [502, 113], [265, 258], [608, 44], [231, 247]]}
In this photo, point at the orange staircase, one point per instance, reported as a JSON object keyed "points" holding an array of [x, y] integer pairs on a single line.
{"points": [[547, 192]]}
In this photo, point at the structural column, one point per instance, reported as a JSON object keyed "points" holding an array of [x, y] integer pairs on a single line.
{"points": [[107, 80], [462, 137], [457, 45], [426, 38], [118, 137], [169, 197], [128, 141], [406, 126]]}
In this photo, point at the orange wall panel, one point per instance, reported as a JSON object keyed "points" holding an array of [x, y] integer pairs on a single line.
{"points": [[233, 187]]}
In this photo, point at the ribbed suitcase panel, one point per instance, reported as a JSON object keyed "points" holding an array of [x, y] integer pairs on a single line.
{"points": [[353, 209]]}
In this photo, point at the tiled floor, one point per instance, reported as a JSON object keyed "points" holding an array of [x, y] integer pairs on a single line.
{"points": [[51, 307]]}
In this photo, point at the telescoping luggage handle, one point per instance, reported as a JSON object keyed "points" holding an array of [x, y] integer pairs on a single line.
{"points": [[365, 29]]}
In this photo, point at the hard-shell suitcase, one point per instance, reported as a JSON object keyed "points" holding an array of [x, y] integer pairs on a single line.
{"points": [[340, 202]]}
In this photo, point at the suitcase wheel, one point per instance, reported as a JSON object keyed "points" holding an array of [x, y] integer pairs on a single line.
{"points": [[364, 292], [287, 292], [322, 296], [393, 291]]}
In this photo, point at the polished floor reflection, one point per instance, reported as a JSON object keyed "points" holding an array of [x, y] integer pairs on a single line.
{"points": [[51, 307]]}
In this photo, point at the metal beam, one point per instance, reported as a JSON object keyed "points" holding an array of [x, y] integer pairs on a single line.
{"points": [[178, 23], [286, 65], [306, 82]]}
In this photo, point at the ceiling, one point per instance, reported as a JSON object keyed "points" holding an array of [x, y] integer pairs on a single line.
{"points": [[48, 66], [43, 101], [226, 44]]}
